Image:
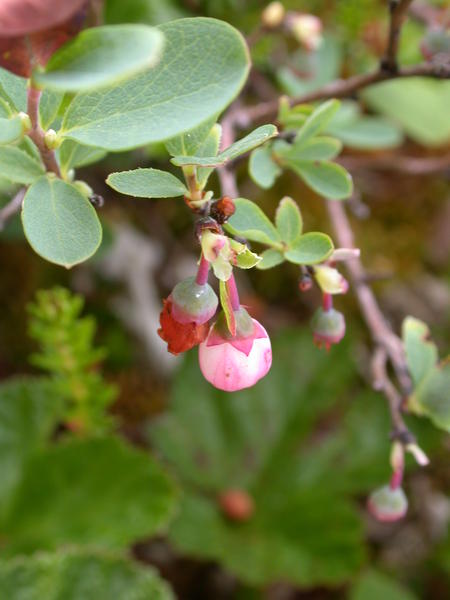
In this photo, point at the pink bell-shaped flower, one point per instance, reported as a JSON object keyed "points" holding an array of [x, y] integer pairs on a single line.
{"points": [[232, 363]]}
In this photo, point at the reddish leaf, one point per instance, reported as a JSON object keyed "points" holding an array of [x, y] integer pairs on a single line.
{"points": [[180, 336]]}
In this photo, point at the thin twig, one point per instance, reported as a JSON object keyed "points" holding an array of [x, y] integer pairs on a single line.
{"points": [[37, 134], [398, 13], [340, 89], [13, 207], [411, 165]]}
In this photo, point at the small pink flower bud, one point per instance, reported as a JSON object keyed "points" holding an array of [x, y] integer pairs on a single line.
{"points": [[307, 29], [193, 303], [328, 327], [273, 15], [232, 363], [387, 504]]}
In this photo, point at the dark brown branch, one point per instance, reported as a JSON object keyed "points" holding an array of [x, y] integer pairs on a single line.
{"points": [[37, 134], [399, 11], [13, 207], [340, 89]]}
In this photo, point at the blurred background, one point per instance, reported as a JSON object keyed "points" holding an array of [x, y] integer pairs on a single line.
{"points": [[311, 440]]}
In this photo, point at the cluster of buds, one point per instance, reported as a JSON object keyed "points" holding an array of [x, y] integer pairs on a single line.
{"points": [[234, 349], [306, 28]]}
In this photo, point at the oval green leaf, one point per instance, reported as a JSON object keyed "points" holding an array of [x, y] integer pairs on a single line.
{"points": [[327, 179], [262, 169], [60, 224], [172, 98], [10, 130], [288, 220], [318, 148], [252, 140], [251, 223], [317, 121], [270, 258], [18, 166], [101, 56], [147, 183], [310, 249]]}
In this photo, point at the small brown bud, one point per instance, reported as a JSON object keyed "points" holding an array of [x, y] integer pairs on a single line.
{"points": [[221, 210], [237, 505]]}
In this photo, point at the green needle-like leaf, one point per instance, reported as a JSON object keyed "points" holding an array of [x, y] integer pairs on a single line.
{"points": [[59, 222], [101, 56]]}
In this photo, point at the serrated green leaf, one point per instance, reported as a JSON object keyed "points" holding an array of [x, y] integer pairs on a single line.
{"points": [[310, 248], [421, 352], [80, 575], [101, 56], [317, 148], [60, 224], [251, 223], [270, 258], [18, 166], [374, 585], [171, 99], [288, 220], [147, 183], [252, 140], [99, 492], [368, 133], [29, 412], [254, 440], [11, 130], [327, 179], [262, 169], [73, 155], [317, 121]]}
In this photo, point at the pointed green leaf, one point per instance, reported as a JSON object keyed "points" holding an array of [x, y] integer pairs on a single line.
{"points": [[101, 56], [245, 258], [325, 178], [270, 258], [288, 220], [252, 140], [251, 223], [80, 575], [262, 169], [170, 99], [60, 224], [317, 121], [147, 183], [18, 166], [29, 412], [421, 352], [11, 130], [310, 248], [100, 492]]}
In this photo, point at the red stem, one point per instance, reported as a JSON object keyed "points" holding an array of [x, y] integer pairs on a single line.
{"points": [[327, 302], [396, 479], [37, 134], [203, 270], [233, 293]]}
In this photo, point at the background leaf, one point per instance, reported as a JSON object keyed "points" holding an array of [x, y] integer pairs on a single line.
{"points": [[262, 169], [101, 56], [60, 224], [173, 97], [374, 585], [317, 121], [98, 492], [325, 178], [147, 183], [77, 575]]}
